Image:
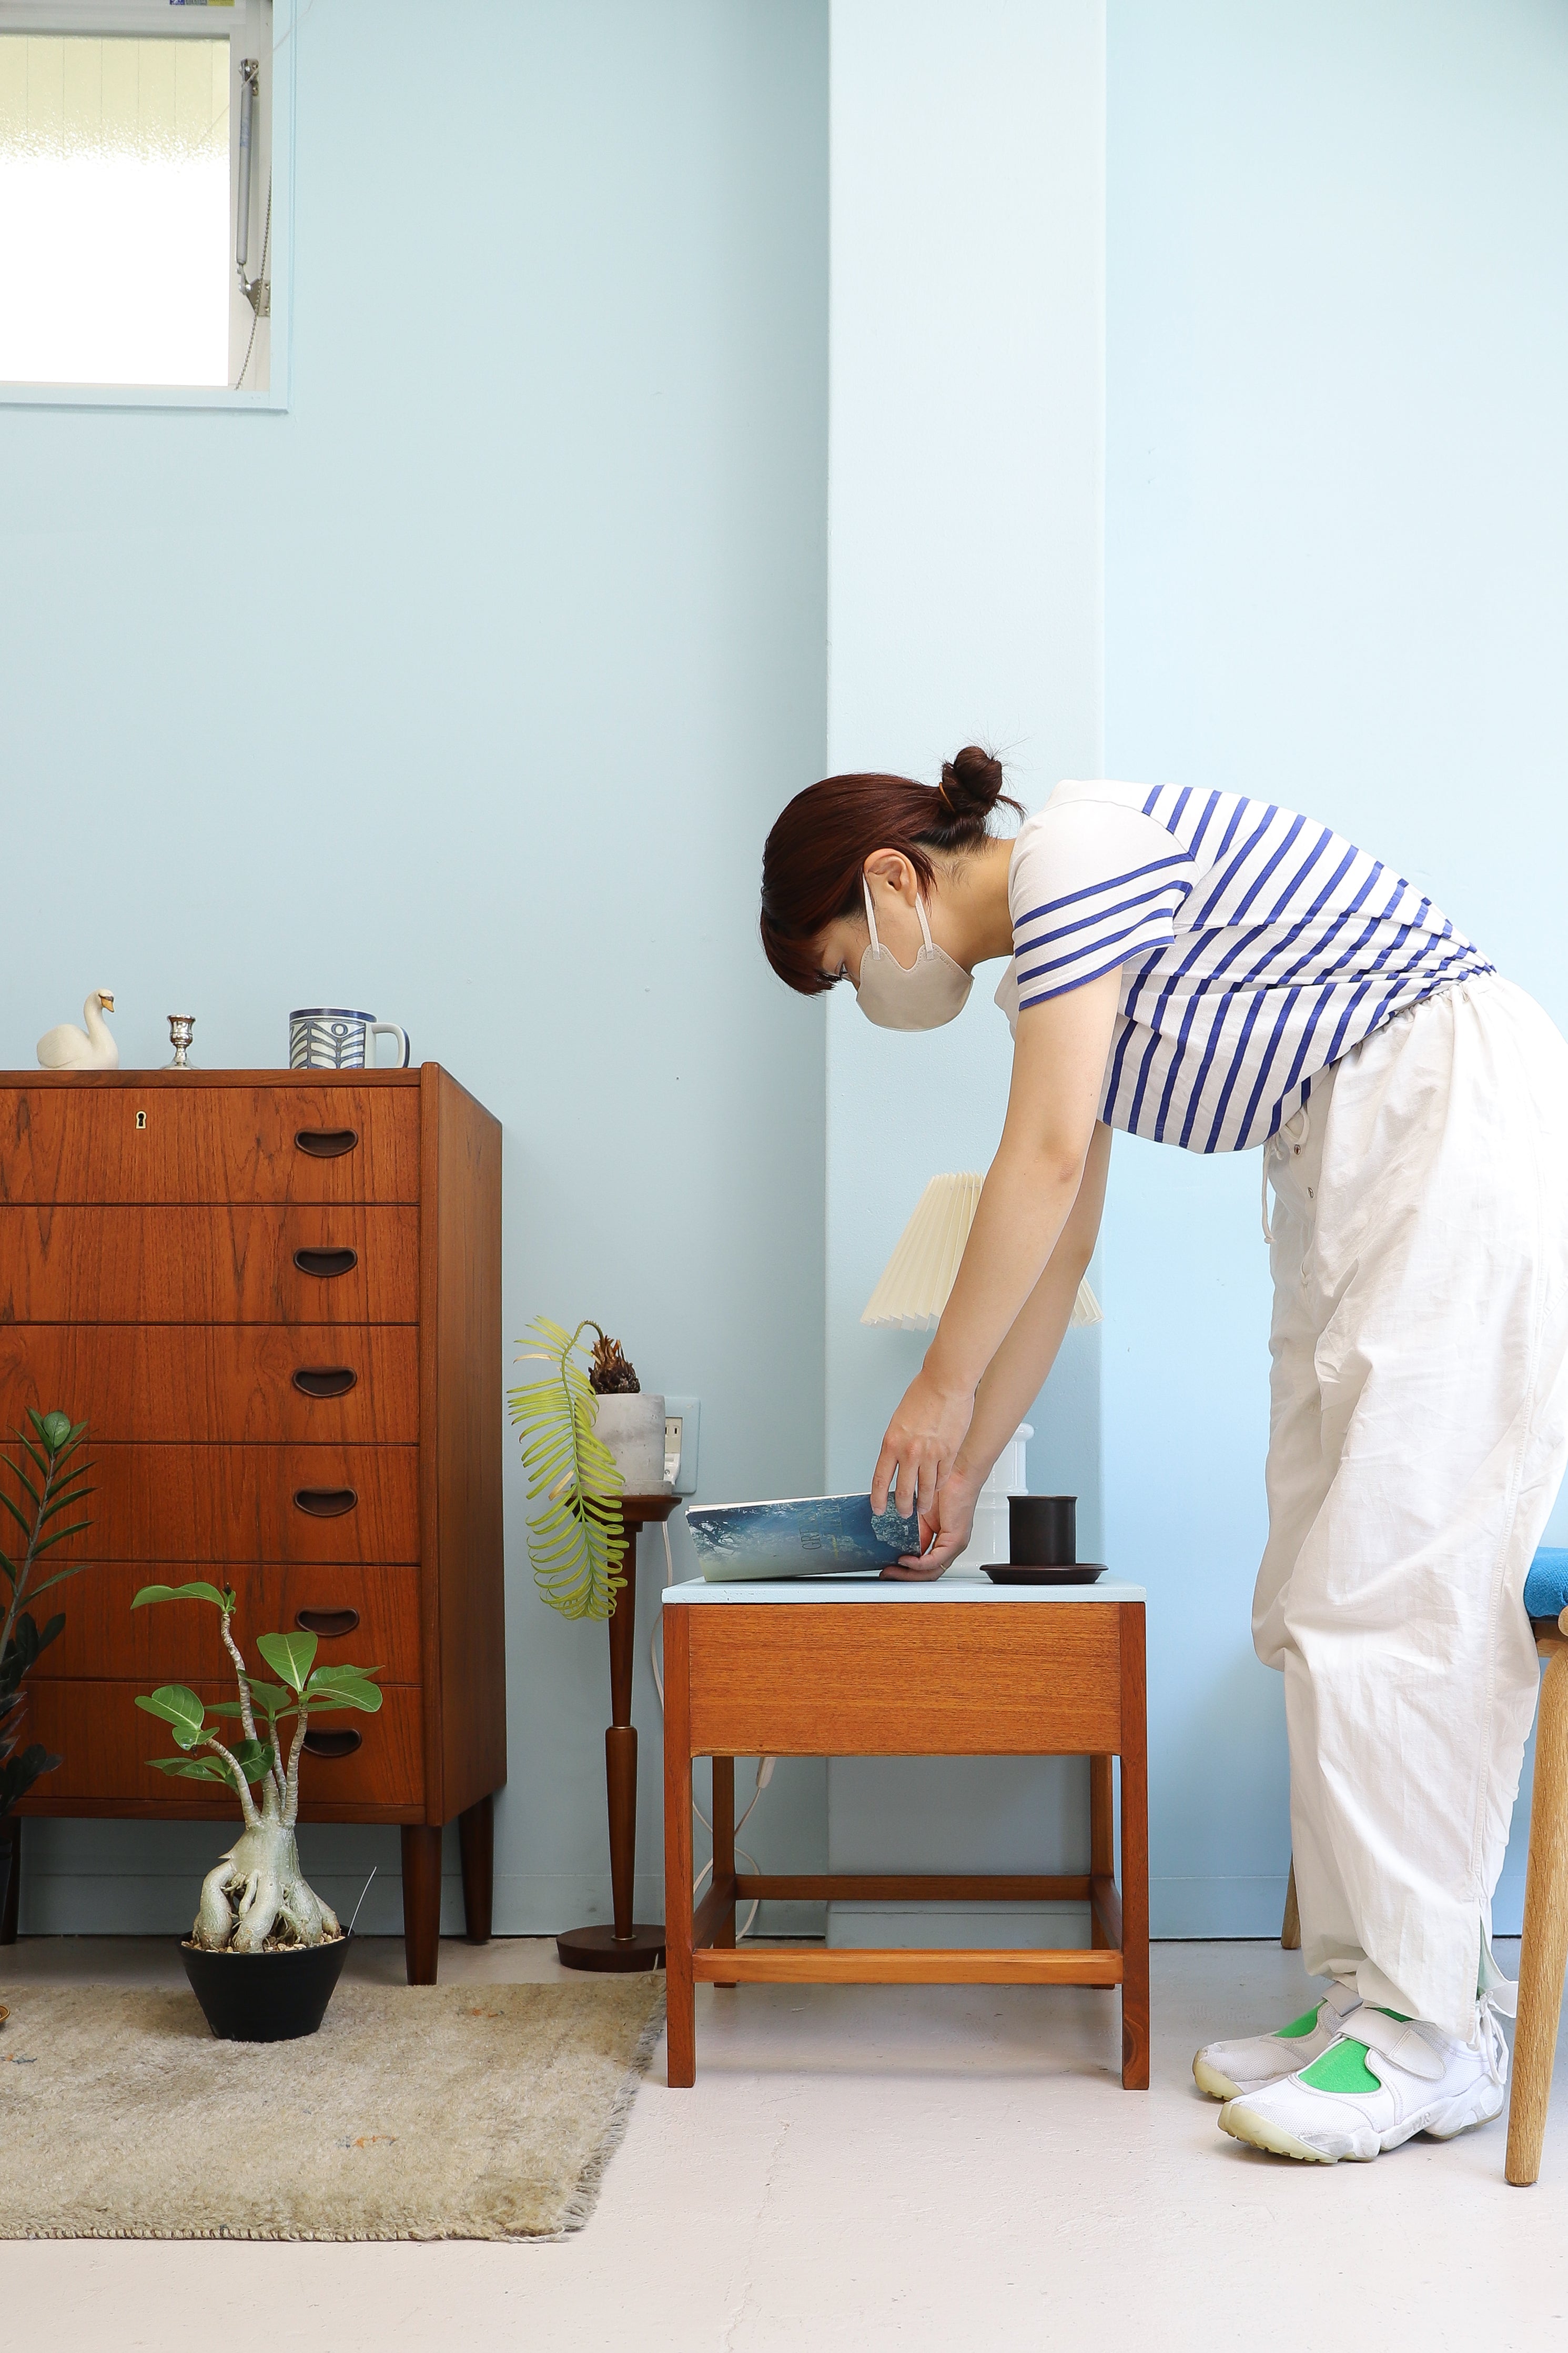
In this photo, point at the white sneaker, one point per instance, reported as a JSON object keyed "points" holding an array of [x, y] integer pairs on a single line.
{"points": [[1226, 2069], [1384, 2080]]}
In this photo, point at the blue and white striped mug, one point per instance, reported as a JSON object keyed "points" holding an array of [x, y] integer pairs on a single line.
{"points": [[331, 1037]]}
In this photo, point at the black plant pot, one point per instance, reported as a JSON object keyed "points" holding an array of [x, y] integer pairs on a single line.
{"points": [[264, 1996]]}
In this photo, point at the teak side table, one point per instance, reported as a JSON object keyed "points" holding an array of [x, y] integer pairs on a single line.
{"points": [[626, 1944], [957, 1668]]}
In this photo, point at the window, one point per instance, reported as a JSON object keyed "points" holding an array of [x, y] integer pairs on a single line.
{"points": [[137, 217]]}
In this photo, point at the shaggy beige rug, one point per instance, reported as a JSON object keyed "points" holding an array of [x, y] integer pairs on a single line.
{"points": [[417, 2112]]}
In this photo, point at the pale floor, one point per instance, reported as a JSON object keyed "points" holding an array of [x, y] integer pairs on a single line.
{"points": [[868, 2167]]}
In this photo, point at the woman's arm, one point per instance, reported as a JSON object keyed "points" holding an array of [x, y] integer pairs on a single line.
{"points": [[1016, 1374], [1059, 1069]]}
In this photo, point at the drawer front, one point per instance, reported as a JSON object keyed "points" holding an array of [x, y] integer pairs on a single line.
{"points": [[206, 1384], [209, 1266], [243, 1504], [270, 1142], [104, 1740], [366, 1616], [947, 1679]]}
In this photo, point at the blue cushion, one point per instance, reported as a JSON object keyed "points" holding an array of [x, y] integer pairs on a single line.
{"points": [[1546, 1587]]}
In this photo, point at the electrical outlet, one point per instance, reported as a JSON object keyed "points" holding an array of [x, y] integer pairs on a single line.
{"points": [[682, 1428]]}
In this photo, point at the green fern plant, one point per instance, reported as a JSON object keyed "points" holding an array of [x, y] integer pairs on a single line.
{"points": [[576, 1542]]}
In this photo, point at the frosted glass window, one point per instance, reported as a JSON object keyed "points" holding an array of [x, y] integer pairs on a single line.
{"points": [[114, 210]]}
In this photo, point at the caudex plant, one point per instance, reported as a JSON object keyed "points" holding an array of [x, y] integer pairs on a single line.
{"points": [[52, 1485], [257, 1897], [576, 1543]]}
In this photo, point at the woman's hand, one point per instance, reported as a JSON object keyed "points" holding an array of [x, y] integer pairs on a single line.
{"points": [[949, 1521], [921, 1444]]}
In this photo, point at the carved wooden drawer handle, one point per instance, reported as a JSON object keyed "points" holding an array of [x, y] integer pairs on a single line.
{"points": [[326, 1262], [333, 1744], [331, 1625], [326, 1143], [325, 1380], [325, 1502]]}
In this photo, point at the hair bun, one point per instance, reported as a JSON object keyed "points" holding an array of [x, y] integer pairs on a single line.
{"points": [[972, 780]]}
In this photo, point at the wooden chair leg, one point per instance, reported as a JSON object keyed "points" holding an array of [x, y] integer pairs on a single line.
{"points": [[421, 1901], [1544, 1956], [477, 1846], [724, 1849], [679, 1986], [1290, 1926], [11, 1829]]}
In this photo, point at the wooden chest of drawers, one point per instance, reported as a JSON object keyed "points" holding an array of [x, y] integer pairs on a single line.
{"points": [[276, 1302]]}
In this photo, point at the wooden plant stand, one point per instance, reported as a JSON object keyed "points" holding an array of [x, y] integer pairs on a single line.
{"points": [[626, 1944]]}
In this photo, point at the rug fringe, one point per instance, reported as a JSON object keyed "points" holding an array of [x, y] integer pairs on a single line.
{"points": [[590, 2181]]}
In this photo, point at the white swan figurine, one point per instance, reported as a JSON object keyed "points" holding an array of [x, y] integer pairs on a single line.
{"points": [[68, 1047]]}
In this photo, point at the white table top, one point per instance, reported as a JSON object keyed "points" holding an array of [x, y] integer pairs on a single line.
{"points": [[958, 1585]]}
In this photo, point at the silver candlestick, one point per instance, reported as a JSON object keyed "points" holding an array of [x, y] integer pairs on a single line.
{"points": [[181, 1025]]}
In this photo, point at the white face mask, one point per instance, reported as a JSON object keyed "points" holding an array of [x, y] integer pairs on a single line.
{"points": [[922, 996]]}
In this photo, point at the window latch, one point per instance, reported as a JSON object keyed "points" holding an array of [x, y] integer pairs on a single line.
{"points": [[256, 290]]}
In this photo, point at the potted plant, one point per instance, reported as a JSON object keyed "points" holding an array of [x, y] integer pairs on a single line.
{"points": [[53, 1489], [265, 1952], [576, 1543], [631, 1423]]}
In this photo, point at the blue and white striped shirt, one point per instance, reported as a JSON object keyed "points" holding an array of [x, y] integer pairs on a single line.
{"points": [[1255, 947]]}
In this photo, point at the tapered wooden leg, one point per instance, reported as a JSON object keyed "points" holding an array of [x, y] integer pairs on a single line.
{"points": [[1102, 1839], [477, 1846], [1134, 1853], [11, 1830], [421, 1901], [1543, 1957], [1290, 1926], [724, 1849], [680, 1991]]}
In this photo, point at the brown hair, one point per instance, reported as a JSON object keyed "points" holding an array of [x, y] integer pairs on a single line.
{"points": [[814, 858]]}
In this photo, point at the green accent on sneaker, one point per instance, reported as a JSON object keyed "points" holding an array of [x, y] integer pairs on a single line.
{"points": [[1402, 2015], [1342, 2068], [1298, 2026]]}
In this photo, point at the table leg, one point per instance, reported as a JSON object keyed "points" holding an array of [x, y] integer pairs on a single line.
{"points": [[680, 1992], [477, 1845], [1134, 1853], [421, 1900], [1102, 1839], [724, 1849]]}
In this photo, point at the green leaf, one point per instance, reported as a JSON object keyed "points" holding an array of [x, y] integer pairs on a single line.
{"points": [[197, 1591], [192, 1768], [54, 1429], [60, 1536], [23, 1522], [179, 1707], [288, 1655], [254, 1758], [343, 1692]]}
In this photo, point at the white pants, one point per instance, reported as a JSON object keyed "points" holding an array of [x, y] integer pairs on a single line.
{"points": [[1418, 1434]]}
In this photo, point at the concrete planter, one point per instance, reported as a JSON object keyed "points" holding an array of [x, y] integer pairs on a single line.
{"points": [[633, 1429]]}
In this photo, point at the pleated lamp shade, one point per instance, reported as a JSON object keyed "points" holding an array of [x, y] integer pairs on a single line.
{"points": [[919, 1276]]}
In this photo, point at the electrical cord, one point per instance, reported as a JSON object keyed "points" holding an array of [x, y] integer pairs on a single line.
{"points": [[764, 1764]]}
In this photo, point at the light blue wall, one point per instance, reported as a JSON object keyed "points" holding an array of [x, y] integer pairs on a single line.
{"points": [[468, 688], [963, 570], [1337, 506], [465, 690]]}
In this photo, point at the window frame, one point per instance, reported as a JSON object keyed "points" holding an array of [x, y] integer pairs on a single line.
{"points": [[101, 16]]}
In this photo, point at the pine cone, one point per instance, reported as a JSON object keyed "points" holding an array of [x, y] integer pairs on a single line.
{"points": [[609, 1374]]}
